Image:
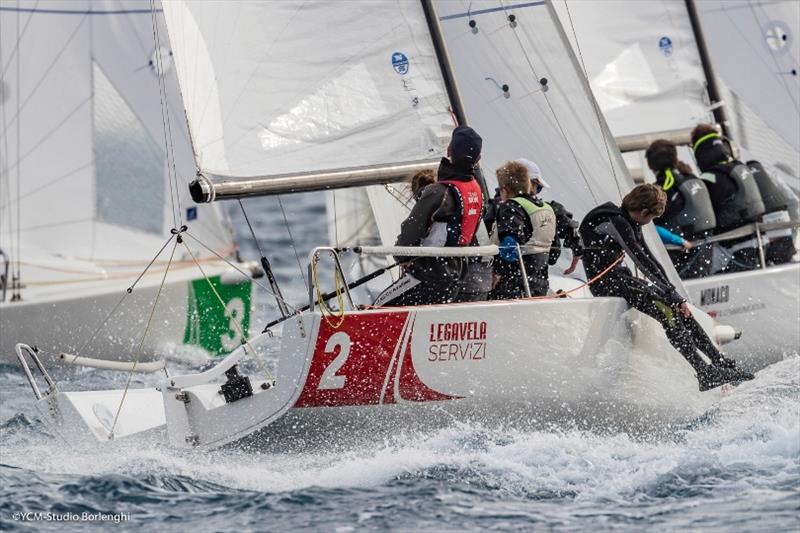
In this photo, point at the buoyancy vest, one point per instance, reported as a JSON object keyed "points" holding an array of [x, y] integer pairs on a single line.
{"points": [[543, 222], [460, 228], [773, 197], [746, 204], [697, 214]]}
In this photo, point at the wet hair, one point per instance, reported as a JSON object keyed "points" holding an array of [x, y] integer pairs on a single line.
{"points": [[701, 130], [514, 178], [420, 180], [647, 196], [661, 155]]}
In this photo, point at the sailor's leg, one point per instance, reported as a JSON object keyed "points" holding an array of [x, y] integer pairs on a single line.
{"points": [[641, 298]]}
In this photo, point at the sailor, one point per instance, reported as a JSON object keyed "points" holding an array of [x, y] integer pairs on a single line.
{"points": [[477, 279], [566, 226], [420, 180], [778, 200], [689, 213], [447, 213], [734, 194], [524, 224], [609, 231]]}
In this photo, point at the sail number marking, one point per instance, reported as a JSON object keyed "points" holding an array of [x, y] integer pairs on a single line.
{"points": [[329, 379]]}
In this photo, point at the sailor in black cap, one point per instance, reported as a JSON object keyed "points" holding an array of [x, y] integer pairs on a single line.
{"points": [[448, 213]]}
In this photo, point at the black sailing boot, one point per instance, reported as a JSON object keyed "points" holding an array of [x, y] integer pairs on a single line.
{"points": [[708, 376], [714, 376]]}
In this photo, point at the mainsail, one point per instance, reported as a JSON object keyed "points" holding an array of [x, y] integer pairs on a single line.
{"points": [[84, 167], [280, 93]]}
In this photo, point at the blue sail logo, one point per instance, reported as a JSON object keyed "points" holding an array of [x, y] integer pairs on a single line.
{"points": [[400, 63], [665, 44]]}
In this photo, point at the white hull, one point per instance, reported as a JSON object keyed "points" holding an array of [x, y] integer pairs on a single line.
{"points": [[384, 371], [763, 304], [64, 318]]}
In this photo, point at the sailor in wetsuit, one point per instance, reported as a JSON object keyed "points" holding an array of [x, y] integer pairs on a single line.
{"points": [[609, 231], [447, 213]]}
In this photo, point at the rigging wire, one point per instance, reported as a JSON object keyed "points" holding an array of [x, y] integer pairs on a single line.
{"points": [[48, 70], [168, 148], [15, 295], [5, 185], [128, 291], [242, 272], [24, 29], [244, 340], [291, 240], [141, 342], [595, 105], [553, 113]]}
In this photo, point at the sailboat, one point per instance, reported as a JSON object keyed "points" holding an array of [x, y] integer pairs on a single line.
{"points": [[90, 191], [284, 97], [672, 65]]}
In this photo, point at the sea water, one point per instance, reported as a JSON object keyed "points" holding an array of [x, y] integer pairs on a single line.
{"points": [[736, 467]]}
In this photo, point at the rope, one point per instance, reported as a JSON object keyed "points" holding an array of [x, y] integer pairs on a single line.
{"points": [[239, 270], [245, 342], [333, 319], [141, 345]]}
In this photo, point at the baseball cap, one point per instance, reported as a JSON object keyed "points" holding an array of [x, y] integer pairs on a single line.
{"points": [[533, 171]]}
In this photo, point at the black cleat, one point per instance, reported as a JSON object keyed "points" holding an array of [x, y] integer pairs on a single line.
{"points": [[714, 376]]}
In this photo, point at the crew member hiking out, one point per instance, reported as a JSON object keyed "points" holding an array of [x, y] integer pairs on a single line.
{"points": [[447, 213], [609, 231], [524, 224], [689, 213]]}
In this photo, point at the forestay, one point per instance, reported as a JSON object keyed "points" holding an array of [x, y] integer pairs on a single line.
{"points": [[285, 88]]}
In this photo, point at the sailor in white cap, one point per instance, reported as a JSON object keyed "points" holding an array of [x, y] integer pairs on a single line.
{"points": [[566, 228]]}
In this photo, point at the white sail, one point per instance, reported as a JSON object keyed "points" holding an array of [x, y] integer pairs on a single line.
{"points": [[642, 62], [284, 87], [83, 128], [559, 127], [755, 49]]}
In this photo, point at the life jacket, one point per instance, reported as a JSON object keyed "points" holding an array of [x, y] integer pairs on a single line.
{"points": [[697, 214], [745, 205], [773, 197], [459, 229], [543, 222]]}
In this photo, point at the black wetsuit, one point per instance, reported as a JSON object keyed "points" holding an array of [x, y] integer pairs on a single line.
{"points": [[608, 232]]}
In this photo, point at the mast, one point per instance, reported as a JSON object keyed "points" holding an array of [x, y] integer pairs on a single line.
{"points": [[705, 60], [450, 80]]}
